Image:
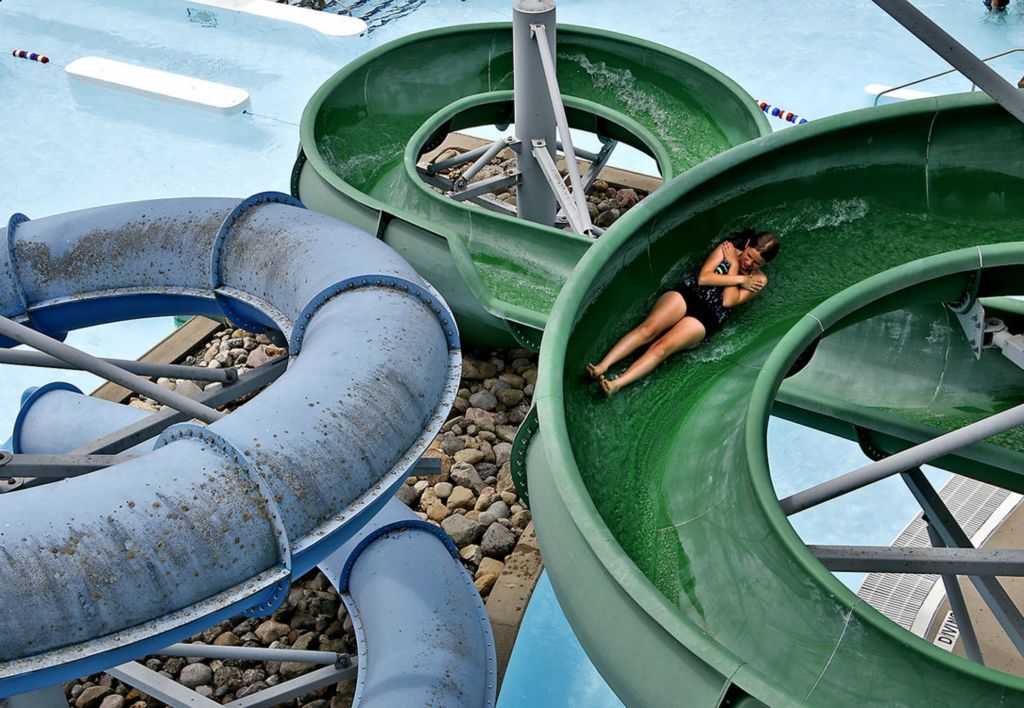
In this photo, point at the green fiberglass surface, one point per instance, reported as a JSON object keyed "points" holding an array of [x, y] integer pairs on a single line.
{"points": [[363, 131], [655, 510]]}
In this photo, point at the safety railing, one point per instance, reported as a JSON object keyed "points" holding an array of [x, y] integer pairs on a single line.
{"points": [[944, 73]]}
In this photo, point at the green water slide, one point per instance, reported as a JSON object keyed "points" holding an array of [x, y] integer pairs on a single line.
{"points": [[658, 520], [364, 130]]}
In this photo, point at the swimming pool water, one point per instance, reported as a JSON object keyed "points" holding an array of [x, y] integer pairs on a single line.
{"points": [[65, 146]]}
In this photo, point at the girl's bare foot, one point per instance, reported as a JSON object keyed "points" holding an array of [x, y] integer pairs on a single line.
{"points": [[607, 386], [593, 371]]}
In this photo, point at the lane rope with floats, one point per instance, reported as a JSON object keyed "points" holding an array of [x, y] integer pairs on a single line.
{"points": [[781, 113]]}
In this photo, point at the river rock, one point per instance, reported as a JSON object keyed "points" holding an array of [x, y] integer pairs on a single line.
{"points": [[480, 418], [498, 541], [451, 443], [499, 509], [407, 495], [229, 677], [471, 554], [484, 400], [470, 456], [460, 498], [443, 490], [485, 582], [502, 453], [511, 397], [195, 675], [463, 531], [92, 696], [113, 701], [438, 511], [466, 475], [506, 433], [489, 566], [474, 370], [270, 631]]}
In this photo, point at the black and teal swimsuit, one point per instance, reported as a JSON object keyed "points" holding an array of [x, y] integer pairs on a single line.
{"points": [[704, 302]]}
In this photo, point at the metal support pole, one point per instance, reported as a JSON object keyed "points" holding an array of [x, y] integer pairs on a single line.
{"points": [[17, 357], [547, 60], [534, 114], [461, 158], [940, 42], [939, 560], [959, 608], [485, 186], [484, 159], [49, 697], [903, 461], [208, 651], [151, 426], [561, 192], [952, 536], [54, 466], [87, 362]]}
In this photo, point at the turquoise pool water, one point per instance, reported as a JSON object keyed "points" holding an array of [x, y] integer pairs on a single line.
{"points": [[65, 146]]}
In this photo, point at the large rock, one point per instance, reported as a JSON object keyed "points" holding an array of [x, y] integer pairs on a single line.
{"points": [[481, 418], [464, 531], [466, 475], [470, 456], [461, 498], [497, 541], [502, 453], [195, 675], [92, 696], [270, 631], [484, 400]]}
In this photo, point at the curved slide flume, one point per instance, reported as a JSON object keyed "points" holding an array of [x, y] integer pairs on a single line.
{"points": [[214, 520], [364, 130], [656, 514]]}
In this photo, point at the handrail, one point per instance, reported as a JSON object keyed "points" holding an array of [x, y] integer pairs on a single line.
{"points": [[943, 73]]}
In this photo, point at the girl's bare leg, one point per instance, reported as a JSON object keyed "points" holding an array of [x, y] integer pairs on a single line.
{"points": [[667, 311], [687, 333]]}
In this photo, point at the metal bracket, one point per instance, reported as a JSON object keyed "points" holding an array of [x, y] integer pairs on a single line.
{"points": [[517, 462], [527, 337], [486, 186], [554, 179], [219, 241], [970, 312], [427, 297], [416, 524], [383, 219], [300, 161], [190, 431]]}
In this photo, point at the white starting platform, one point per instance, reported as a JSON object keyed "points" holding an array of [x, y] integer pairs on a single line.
{"points": [[160, 85], [327, 23], [903, 94]]}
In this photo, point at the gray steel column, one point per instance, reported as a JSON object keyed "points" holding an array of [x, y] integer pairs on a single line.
{"points": [[953, 536], [534, 114], [918, 24], [959, 608], [902, 461]]}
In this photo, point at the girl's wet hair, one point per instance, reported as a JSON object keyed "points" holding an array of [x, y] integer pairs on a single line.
{"points": [[766, 243]]}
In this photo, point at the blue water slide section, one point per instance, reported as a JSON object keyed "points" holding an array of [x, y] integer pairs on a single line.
{"points": [[423, 633], [214, 520]]}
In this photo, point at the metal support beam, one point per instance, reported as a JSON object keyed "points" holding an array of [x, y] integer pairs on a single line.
{"points": [[949, 532], [561, 192], [493, 149], [484, 186], [598, 164], [894, 559], [284, 692], [534, 115], [54, 466], [940, 42], [547, 60], [460, 159], [492, 203], [87, 362], [18, 357], [580, 152], [151, 426], [957, 605], [903, 461], [160, 687], [211, 651]]}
